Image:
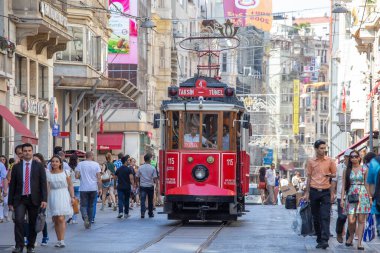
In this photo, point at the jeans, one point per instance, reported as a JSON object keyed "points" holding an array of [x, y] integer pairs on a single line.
{"points": [[77, 195], [87, 204], [94, 207], [150, 192], [45, 231], [124, 200], [341, 220], [320, 208]]}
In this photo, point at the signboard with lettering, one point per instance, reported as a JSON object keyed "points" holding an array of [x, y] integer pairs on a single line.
{"points": [[33, 107], [201, 90]]}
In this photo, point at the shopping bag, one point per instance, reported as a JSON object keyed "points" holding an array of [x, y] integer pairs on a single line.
{"points": [[40, 221], [297, 222], [307, 227], [369, 231]]}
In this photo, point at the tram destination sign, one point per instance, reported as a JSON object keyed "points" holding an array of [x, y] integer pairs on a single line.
{"points": [[200, 90], [204, 92]]}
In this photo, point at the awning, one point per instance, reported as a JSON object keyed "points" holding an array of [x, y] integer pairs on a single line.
{"points": [[110, 141], [354, 146], [19, 127]]}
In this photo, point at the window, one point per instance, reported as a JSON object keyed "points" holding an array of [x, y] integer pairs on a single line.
{"points": [[174, 125], [200, 132], [74, 49], [124, 71], [323, 126], [224, 62], [324, 104], [21, 74], [162, 56], [43, 82]]}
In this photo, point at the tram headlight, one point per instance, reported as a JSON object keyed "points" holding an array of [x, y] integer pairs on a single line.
{"points": [[200, 173]]}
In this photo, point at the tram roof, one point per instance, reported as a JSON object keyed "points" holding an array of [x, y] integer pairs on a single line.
{"points": [[206, 105], [211, 82]]}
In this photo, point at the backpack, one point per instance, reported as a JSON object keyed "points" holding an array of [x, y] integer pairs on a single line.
{"points": [[376, 196]]}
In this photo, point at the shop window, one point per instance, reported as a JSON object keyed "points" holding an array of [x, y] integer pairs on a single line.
{"points": [[43, 92], [74, 49]]}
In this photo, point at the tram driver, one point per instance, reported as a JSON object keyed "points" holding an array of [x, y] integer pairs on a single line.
{"points": [[226, 138], [191, 140]]}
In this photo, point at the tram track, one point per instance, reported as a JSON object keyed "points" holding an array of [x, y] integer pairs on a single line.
{"points": [[205, 243]]}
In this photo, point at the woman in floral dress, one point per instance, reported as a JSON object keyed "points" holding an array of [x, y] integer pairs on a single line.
{"points": [[355, 198]]}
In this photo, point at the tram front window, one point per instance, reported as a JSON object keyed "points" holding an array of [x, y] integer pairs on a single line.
{"points": [[197, 136]]}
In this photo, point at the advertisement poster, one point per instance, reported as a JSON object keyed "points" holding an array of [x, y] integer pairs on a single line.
{"points": [[256, 13], [122, 45]]}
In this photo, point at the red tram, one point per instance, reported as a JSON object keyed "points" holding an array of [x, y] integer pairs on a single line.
{"points": [[204, 165]]}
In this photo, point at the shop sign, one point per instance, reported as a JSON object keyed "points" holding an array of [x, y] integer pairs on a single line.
{"points": [[33, 107], [52, 13]]}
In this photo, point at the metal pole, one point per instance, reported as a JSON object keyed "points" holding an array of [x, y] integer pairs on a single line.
{"points": [[370, 101]]}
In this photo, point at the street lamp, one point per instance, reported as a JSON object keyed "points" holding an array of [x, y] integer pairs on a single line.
{"points": [[339, 8], [336, 8]]}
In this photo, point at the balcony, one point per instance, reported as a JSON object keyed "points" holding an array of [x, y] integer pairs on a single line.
{"points": [[42, 24]]}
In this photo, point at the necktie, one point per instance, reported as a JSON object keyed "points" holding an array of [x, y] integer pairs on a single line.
{"points": [[27, 175]]}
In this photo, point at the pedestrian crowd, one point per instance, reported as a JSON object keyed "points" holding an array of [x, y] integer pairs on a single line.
{"points": [[353, 183], [32, 187]]}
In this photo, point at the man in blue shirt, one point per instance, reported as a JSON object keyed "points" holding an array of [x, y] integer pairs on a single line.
{"points": [[374, 167], [118, 163]]}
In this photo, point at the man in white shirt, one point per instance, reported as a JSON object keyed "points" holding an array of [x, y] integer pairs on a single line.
{"points": [[336, 187], [296, 180], [191, 140], [270, 177], [88, 171]]}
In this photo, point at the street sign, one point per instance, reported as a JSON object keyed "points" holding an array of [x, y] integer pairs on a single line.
{"points": [[64, 135], [267, 160], [55, 132]]}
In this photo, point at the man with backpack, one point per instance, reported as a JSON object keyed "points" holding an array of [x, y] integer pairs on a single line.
{"points": [[373, 179]]}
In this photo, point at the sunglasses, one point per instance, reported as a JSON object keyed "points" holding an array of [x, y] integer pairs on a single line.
{"points": [[354, 156]]}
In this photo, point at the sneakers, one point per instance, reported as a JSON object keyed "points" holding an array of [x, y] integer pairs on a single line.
{"points": [[126, 216], [102, 208], [87, 223], [60, 244], [69, 220], [120, 216], [74, 222], [44, 241], [114, 207]]}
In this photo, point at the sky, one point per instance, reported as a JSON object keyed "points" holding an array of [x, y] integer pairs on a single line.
{"points": [[321, 6]]}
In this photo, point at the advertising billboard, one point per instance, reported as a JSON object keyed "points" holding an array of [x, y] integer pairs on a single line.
{"points": [[256, 13], [122, 45]]}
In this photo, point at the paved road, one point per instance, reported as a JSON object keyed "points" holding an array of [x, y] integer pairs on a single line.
{"points": [[263, 229]]}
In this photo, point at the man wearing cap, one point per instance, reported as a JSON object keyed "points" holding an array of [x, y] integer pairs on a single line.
{"points": [[336, 188], [320, 169]]}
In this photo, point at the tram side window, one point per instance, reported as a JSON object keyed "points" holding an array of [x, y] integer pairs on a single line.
{"points": [[226, 139], [175, 130]]}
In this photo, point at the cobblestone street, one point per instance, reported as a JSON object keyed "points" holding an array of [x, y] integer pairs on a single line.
{"points": [[263, 229]]}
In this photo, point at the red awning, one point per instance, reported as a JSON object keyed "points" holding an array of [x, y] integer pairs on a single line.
{"points": [[110, 141], [19, 127], [354, 146]]}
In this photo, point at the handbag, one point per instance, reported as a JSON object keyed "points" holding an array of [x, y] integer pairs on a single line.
{"points": [[353, 198], [41, 220], [106, 177], [262, 185], [76, 206]]}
